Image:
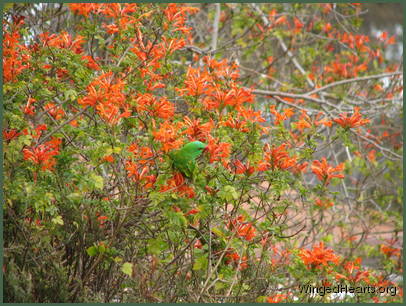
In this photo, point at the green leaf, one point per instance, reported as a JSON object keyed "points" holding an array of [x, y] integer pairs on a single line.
{"points": [[200, 263], [92, 251], [228, 193], [156, 246], [127, 268], [71, 95], [97, 181], [57, 220]]}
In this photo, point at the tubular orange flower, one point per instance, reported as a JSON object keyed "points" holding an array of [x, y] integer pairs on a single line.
{"points": [[43, 154], [277, 298], [15, 56], [244, 229], [350, 122], [325, 172], [177, 183], [287, 113], [218, 151], [323, 203], [54, 110], [196, 130], [389, 251], [10, 134], [168, 135], [318, 256], [233, 258]]}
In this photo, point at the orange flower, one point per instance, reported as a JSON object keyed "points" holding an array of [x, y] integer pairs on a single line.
{"points": [[218, 151], [323, 204], [90, 62], [353, 272], [247, 231], [304, 122], [63, 40], [29, 109], [389, 251], [325, 172], [323, 121], [240, 125], [196, 130], [43, 154], [168, 135], [192, 212], [318, 256], [84, 8], [15, 55], [54, 110], [108, 158], [350, 122], [277, 298], [177, 183], [287, 113], [105, 93], [144, 155], [244, 229], [240, 168], [102, 220], [10, 134], [161, 108], [233, 258]]}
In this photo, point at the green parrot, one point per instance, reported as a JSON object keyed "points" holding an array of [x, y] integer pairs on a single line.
{"points": [[184, 159]]}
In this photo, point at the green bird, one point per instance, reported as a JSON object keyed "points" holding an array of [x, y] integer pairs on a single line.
{"points": [[184, 159]]}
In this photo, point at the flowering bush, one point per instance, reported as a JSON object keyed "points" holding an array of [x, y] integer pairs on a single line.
{"points": [[294, 107]]}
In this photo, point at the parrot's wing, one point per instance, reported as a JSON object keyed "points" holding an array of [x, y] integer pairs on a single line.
{"points": [[182, 163]]}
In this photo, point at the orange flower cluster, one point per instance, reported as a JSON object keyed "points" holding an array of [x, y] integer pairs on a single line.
{"points": [[234, 258], [279, 159], [43, 154], [10, 134], [204, 83], [218, 151], [355, 120], [353, 272], [324, 203], [389, 251], [54, 110], [138, 169], [306, 122], [91, 62], [168, 135], [196, 130], [161, 108], [240, 168], [318, 256], [218, 98], [244, 229], [176, 16], [63, 40], [325, 172], [113, 10], [277, 298], [139, 174], [144, 155], [105, 93], [177, 183], [287, 113], [15, 55]]}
